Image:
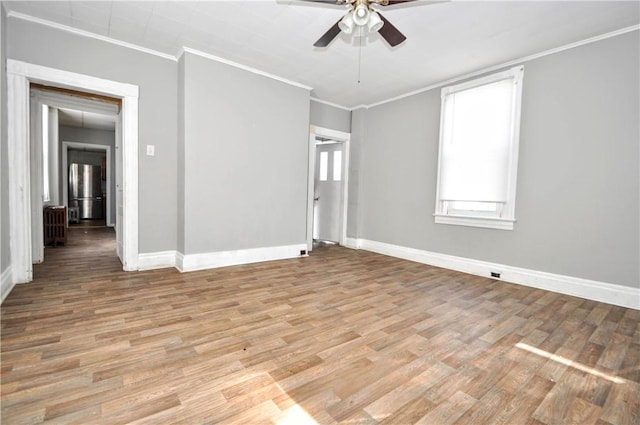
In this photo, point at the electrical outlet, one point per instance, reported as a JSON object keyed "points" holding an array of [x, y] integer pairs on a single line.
{"points": [[495, 274], [151, 150]]}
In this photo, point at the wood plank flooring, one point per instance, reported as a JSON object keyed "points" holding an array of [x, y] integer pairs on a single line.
{"points": [[340, 337]]}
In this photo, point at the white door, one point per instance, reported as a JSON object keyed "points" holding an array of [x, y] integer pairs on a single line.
{"points": [[327, 203], [119, 190]]}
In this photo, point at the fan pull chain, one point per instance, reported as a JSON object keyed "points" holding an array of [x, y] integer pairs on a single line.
{"points": [[360, 58]]}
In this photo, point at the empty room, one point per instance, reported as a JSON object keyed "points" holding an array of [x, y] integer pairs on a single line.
{"points": [[320, 212]]}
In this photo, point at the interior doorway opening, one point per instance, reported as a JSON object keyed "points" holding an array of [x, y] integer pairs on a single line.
{"points": [[20, 75], [82, 161], [57, 116], [328, 189]]}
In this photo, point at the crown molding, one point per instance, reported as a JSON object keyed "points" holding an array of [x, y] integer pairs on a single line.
{"points": [[163, 55], [88, 34], [184, 50], [506, 64], [335, 105], [18, 15]]}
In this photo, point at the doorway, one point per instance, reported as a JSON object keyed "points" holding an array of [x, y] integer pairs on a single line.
{"points": [[60, 115], [19, 77], [72, 152], [328, 186]]}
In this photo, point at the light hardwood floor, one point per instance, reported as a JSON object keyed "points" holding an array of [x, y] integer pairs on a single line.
{"points": [[342, 336]]}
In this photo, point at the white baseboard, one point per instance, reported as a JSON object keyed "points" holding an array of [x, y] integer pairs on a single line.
{"points": [[589, 289], [157, 260], [352, 243], [210, 260], [6, 283]]}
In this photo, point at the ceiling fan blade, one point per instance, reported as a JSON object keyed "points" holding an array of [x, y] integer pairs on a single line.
{"points": [[338, 2], [420, 2], [328, 36], [390, 33]]}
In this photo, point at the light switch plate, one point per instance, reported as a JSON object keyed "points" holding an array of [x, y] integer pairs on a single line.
{"points": [[151, 150]]}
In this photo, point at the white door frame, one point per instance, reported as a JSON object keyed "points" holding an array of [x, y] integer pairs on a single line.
{"points": [[339, 136], [65, 173], [19, 76]]}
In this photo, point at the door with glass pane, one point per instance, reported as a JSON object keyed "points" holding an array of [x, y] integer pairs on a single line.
{"points": [[327, 192]]}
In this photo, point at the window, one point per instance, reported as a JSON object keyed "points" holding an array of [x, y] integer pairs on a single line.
{"points": [[478, 156], [337, 166], [46, 196], [330, 166], [324, 166]]}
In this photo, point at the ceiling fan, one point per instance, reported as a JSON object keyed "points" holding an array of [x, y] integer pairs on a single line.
{"points": [[361, 17]]}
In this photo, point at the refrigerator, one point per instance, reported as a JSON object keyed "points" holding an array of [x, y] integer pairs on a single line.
{"points": [[85, 190]]}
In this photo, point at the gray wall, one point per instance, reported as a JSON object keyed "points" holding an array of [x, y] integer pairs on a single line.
{"points": [[89, 136], [327, 116], [5, 258], [578, 201], [156, 78], [244, 153], [358, 137], [85, 157]]}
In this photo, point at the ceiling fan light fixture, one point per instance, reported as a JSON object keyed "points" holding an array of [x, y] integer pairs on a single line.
{"points": [[375, 23], [346, 23], [360, 20], [361, 14]]}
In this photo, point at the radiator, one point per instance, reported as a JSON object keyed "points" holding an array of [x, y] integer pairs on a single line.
{"points": [[55, 225]]}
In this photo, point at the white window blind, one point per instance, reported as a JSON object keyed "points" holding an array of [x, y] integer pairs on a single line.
{"points": [[476, 139], [478, 149]]}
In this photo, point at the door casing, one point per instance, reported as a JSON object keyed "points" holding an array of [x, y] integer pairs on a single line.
{"points": [[19, 76]]}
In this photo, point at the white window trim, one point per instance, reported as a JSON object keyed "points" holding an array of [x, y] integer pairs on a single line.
{"points": [[475, 221], [507, 220]]}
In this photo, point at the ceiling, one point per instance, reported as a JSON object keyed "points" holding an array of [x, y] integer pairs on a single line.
{"points": [[82, 119], [444, 40]]}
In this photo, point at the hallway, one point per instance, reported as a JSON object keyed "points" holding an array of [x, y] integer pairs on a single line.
{"points": [[90, 249]]}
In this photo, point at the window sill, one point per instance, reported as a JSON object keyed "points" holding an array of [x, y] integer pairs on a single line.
{"points": [[487, 222]]}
